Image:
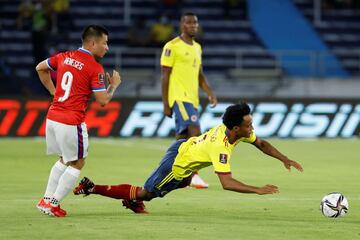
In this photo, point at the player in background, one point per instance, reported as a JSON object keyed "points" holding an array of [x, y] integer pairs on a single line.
{"points": [[78, 76], [181, 76], [185, 157]]}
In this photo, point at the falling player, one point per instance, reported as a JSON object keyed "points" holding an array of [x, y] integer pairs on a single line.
{"points": [[185, 157]]}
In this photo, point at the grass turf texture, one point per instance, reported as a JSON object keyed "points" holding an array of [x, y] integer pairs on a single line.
{"points": [[330, 165]]}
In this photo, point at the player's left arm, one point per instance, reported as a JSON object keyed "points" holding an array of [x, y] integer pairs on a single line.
{"points": [[43, 71], [104, 97], [203, 83], [270, 150]]}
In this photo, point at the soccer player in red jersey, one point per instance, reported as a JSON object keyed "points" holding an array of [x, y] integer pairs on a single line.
{"points": [[78, 76]]}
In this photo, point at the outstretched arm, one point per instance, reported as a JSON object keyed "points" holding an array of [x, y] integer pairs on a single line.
{"points": [[270, 150], [231, 184], [203, 83]]}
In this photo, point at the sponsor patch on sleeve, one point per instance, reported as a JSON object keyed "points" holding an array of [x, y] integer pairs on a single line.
{"points": [[101, 78], [167, 52], [223, 158]]}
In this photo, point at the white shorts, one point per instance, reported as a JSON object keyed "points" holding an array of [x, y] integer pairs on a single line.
{"points": [[68, 141]]}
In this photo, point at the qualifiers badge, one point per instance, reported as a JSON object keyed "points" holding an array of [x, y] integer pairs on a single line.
{"points": [[223, 158], [167, 52], [101, 78]]}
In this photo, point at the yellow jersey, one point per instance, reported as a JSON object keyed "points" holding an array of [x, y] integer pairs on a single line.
{"points": [[185, 61], [210, 148]]}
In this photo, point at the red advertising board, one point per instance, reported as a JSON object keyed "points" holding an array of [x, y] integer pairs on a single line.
{"points": [[126, 117]]}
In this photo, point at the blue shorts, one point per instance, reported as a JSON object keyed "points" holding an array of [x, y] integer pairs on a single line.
{"points": [[162, 179], [185, 115]]}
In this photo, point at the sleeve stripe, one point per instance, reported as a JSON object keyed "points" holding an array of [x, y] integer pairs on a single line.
{"points": [[49, 65], [98, 89], [223, 173]]}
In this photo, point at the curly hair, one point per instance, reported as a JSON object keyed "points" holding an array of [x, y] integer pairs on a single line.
{"points": [[234, 114]]}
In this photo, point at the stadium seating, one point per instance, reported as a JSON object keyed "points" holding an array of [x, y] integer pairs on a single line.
{"points": [[229, 42], [339, 28], [220, 36]]}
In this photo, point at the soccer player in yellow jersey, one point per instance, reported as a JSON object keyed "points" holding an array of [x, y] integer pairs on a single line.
{"points": [[184, 157], [182, 74]]}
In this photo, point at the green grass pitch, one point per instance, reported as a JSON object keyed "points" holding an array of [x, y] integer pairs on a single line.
{"points": [[330, 165]]}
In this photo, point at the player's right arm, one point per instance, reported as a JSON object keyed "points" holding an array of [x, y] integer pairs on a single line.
{"points": [[165, 77], [231, 184], [167, 62], [103, 97], [43, 71], [220, 158]]}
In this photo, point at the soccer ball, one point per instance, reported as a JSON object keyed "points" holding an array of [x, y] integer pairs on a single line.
{"points": [[334, 205]]}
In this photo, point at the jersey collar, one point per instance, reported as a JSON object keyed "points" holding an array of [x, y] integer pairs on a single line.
{"points": [[227, 134], [192, 44], [85, 51]]}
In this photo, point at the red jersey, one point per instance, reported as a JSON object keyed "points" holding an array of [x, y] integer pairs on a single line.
{"points": [[78, 75]]}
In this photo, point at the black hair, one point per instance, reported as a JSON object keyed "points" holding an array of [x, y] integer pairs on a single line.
{"points": [[187, 14], [93, 31], [234, 114]]}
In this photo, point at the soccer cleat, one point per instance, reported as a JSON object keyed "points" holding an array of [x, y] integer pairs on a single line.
{"points": [[135, 206], [56, 211], [85, 187], [43, 206], [197, 182]]}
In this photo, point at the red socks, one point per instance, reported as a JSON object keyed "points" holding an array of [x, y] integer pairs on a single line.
{"points": [[122, 191]]}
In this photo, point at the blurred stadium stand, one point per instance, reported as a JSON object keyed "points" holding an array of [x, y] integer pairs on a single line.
{"points": [[339, 28], [235, 60]]}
